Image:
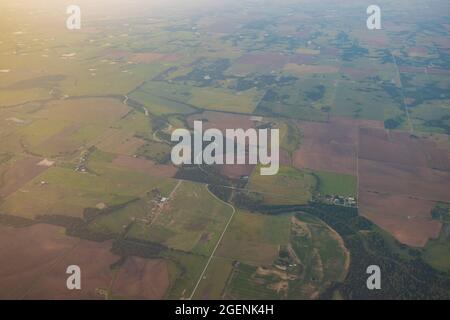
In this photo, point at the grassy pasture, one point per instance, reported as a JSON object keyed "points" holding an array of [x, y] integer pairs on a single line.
{"points": [[289, 186], [215, 279], [437, 251], [114, 222], [331, 183], [65, 125], [67, 192], [225, 100], [183, 272], [290, 136], [192, 220], [136, 123], [254, 238], [157, 151]]}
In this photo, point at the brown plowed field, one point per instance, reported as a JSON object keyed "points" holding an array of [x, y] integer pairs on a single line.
{"points": [[142, 279], [408, 219], [33, 266], [393, 178], [19, 173], [399, 147], [34, 263], [94, 260], [401, 177], [330, 146], [327, 146]]}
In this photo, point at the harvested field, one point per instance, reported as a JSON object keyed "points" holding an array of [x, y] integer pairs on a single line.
{"points": [[333, 160], [94, 260], [393, 178], [19, 173], [401, 177], [147, 166], [62, 142], [142, 279], [120, 142], [407, 219], [37, 260], [38, 257], [31, 251], [400, 147], [328, 147]]}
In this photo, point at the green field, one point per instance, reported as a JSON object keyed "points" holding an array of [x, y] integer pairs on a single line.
{"points": [[67, 192], [437, 251], [193, 228], [254, 238], [245, 285], [331, 183], [312, 258], [215, 279], [290, 136], [288, 186]]}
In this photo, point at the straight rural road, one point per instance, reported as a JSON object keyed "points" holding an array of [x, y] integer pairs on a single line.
{"points": [[217, 244]]}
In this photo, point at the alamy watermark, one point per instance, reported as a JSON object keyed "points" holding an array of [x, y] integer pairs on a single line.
{"points": [[73, 22], [374, 280], [374, 20], [237, 147], [74, 280]]}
